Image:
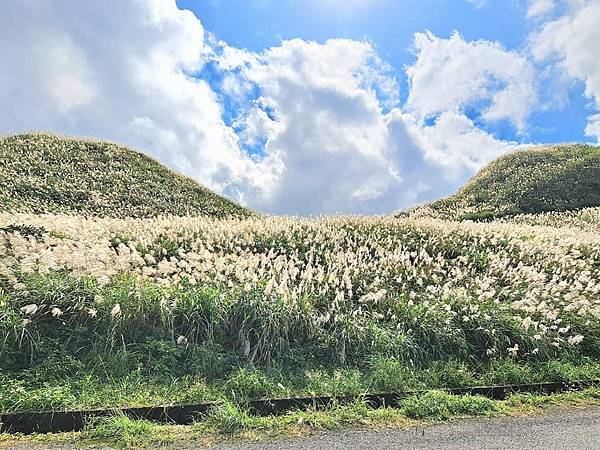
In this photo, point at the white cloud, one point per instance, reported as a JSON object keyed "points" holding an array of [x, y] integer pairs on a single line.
{"points": [[452, 74], [538, 8], [572, 41], [456, 144], [338, 148], [434, 160], [593, 126], [326, 127]]}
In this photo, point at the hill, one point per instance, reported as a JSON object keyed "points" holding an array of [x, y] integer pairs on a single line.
{"points": [[43, 173], [136, 312], [539, 179]]}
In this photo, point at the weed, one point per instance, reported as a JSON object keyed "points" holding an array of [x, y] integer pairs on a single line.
{"points": [[124, 432], [437, 405], [228, 418]]}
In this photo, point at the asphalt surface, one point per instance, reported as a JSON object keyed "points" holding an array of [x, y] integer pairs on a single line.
{"points": [[560, 429]]}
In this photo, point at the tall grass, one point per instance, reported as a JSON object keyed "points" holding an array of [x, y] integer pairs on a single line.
{"points": [[276, 306]]}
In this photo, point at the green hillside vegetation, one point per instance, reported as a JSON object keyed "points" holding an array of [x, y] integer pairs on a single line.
{"points": [[545, 178], [128, 311], [44, 173]]}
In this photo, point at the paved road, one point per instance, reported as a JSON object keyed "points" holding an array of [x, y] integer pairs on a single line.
{"points": [[559, 429]]}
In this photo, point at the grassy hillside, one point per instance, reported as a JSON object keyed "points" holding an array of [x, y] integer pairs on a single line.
{"points": [[43, 173], [545, 178], [138, 312]]}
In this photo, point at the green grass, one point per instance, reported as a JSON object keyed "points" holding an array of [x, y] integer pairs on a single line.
{"points": [[211, 319], [44, 173], [546, 178], [439, 405], [84, 389], [77, 361], [229, 419], [124, 432]]}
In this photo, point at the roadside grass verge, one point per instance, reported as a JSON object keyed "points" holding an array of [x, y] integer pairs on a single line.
{"points": [[229, 422], [58, 389]]}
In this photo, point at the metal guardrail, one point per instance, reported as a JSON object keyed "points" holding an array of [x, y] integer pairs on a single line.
{"points": [[60, 421]]}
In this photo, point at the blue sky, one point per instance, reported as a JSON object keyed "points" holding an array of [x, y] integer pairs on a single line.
{"points": [[390, 25], [308, 106]]}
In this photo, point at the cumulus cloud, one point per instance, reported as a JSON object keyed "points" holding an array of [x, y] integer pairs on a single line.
{"points": [[316, 127], [452, 74], [435, 159], [593, 126], [320, 112], [571, 41], [323, 110], [456, 144]]}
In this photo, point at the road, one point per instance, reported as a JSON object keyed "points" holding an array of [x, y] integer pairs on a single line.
{"points": [[563, 429]]}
